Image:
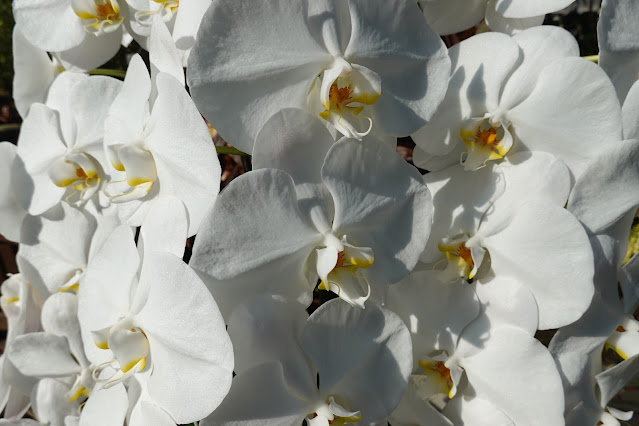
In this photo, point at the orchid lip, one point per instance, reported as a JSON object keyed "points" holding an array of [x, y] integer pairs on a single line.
{"points": [[98, 16]]}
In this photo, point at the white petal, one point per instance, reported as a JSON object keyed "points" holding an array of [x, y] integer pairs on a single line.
{"points": [[189, 345], [381, 204], [443, 15], [524, 8], [34, 72], [468, 410], [164, 228], [296, 142], [411, 93], [510, 26], [260, 396], [435, 312], [547, 249], [50, 404], [187, 23], [130, 108], [608, 188], [616, 30], [11, 211], [51, 25], [413, 410], [360, 341], [184, 154], [60, 317], [528, 176], [563, 118], [297, 286], [55, 249], [506, 302], [263, 71], [539, 46], [92, 51], [163, 54], [518, 374], [254, 221], [39, 144], [91, 99], [104, 296], [41, 355], [460, 199], [616, 378], [630, 112], [108, 406], [267, 329]]}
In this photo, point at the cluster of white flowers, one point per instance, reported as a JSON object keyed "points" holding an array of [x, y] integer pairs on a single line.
{"points": [[440, 281]]}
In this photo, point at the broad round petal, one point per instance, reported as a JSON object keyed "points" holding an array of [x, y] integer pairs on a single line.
{"points": [[412, 91], [382, 204], [259, 58], [51, 25], [50, 404], [41, 355], [267, 329], [255, 221], [434, 312], [55, 249], [516, 372], [92, 51], [348, 344], [547, 249], [260, 396], [190, 349], [539, 46], [573, 113]]}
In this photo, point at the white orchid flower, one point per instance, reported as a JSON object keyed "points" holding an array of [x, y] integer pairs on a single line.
{"points": [[520, 94], [518, 233], [452, 337], [60, 142], [351, 226], [182, 18], [577, 348], [338, 59], [159, 149], [21, 304], [58, 247], [84, 33], [281, 353], [58, 353], [160, 323], [453, 16]]}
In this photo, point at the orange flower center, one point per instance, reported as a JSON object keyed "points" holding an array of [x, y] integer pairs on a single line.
{"points": [[105, 12]]}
